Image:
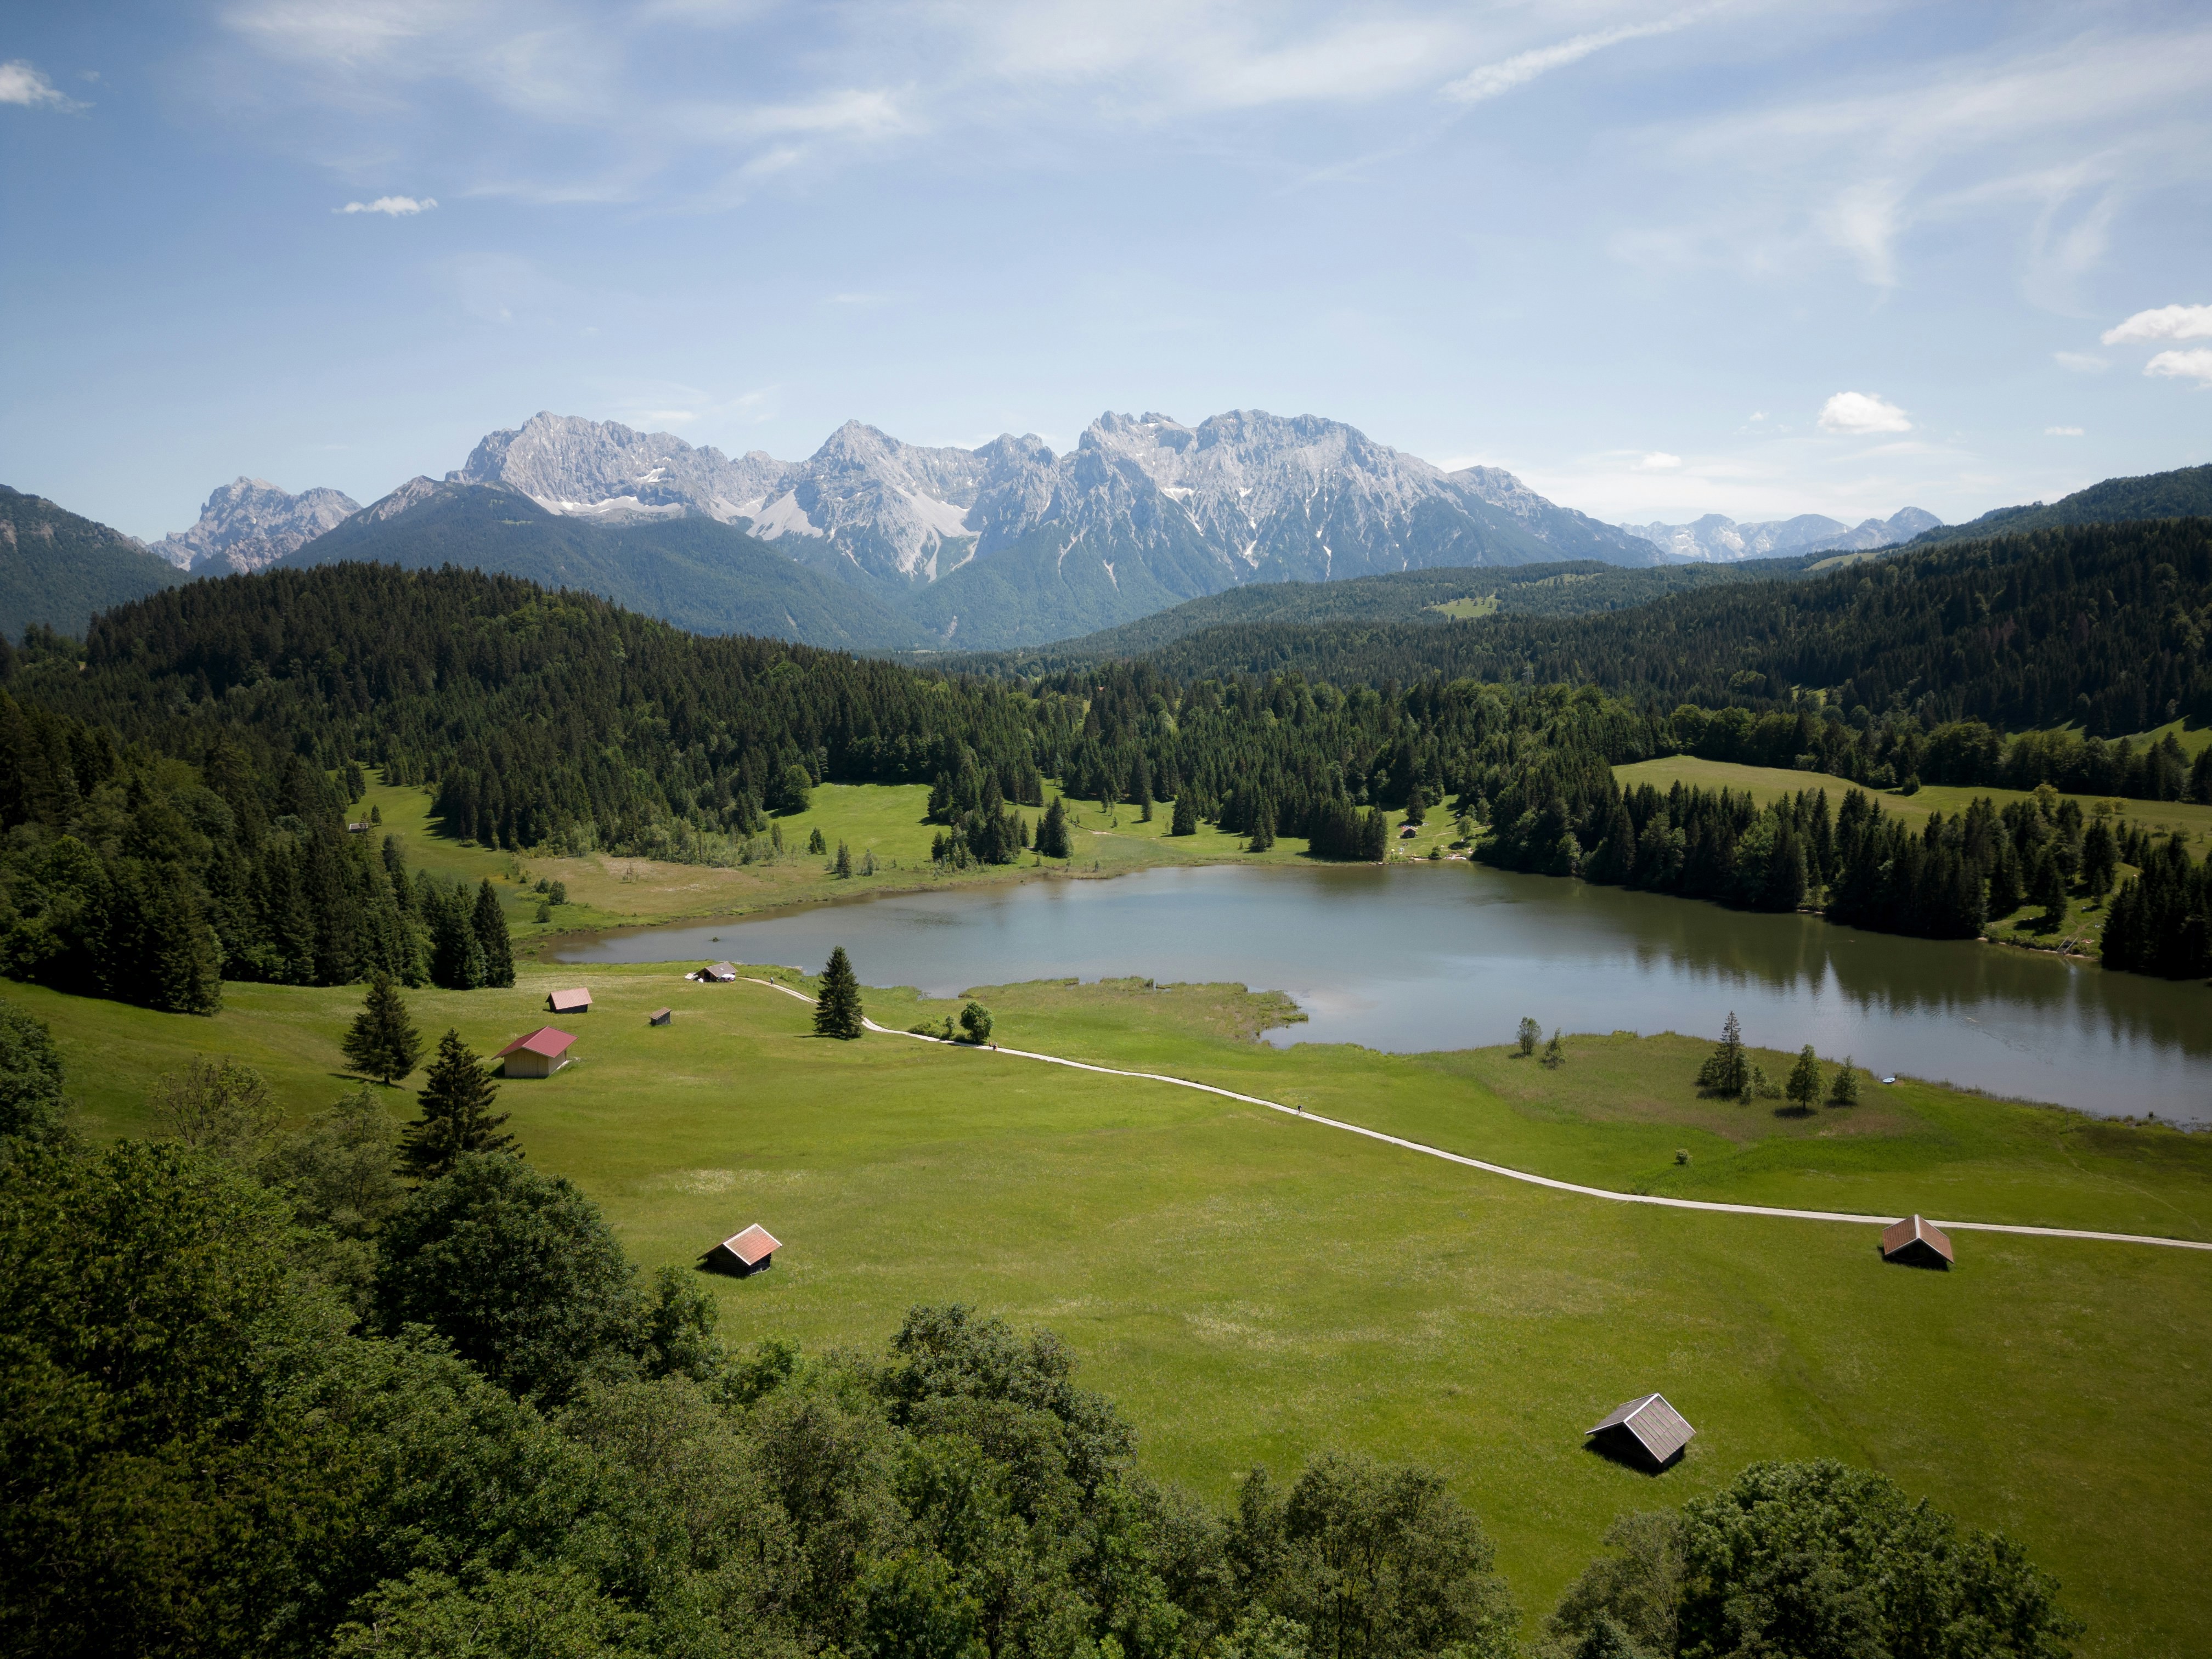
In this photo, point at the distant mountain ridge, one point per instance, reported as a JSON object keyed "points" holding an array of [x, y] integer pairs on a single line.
{"points": [[1721, 540], [1010, 543], [57, 569], [2184, 493], [249, 524]]}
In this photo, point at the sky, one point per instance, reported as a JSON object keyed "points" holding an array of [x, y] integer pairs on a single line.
{"points": [[1660, 260]]}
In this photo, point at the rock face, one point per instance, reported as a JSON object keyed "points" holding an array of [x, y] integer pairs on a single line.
{"points": [[1716, 538], [250, 524], [1183, 510]]}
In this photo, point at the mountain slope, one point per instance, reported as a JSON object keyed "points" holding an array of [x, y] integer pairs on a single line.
{"points": [[249, 524], [57, 568], [705, 576], [2184, 494]]}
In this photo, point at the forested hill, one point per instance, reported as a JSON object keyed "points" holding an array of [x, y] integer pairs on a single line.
{"points": [[57, 568], [2105, 624], [702, 575], [1430, 598], [2184, 493]]}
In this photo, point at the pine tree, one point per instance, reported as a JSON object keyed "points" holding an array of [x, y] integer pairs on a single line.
{"points": [[457, 1115], [1555, 1053], [1726, 1070], [383, 1042], [1804, 1085], [1186, 816], [844, 868], [1844, 1090], [457, 959], [1262, 835], [1052, 830], [837, 1010], [490, 926]]}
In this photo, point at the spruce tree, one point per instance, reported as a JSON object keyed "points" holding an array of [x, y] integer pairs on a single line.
{"points": [[1186, 816], [457, 1115], [1726, 1070], [1052, 830], [1844, 1090], [1804, 1085], [1555, 1053], [844, 861], [383, 1042], [837, 1010], [490, 925]]}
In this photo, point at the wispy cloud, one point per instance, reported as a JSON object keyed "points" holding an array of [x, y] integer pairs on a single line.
{"points": [[395, 206], [1859, 413], [2061, 432], [2165, 323], [1491, 80], [1659, 461], [2080, 362], [22, 83]]}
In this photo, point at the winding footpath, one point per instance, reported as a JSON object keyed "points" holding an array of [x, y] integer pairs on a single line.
{"points": [[1428, 1151]]}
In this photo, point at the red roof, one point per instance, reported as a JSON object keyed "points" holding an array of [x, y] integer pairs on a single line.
{"points": [[563, 1002], [1913, 1230], [752, 1245], [545, 1040]]}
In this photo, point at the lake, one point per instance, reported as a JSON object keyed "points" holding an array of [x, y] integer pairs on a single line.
{"points": [[1452, 955]]}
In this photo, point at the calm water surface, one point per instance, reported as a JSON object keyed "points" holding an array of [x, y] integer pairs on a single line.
{"points": [[1450, 955]]}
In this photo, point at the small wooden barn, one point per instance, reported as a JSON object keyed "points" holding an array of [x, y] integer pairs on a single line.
{"points": [[1644, 1431], [540, 1054], [1917, 1243], [660, 1016], [714, 973], [576, 1002], [752, 1251]]}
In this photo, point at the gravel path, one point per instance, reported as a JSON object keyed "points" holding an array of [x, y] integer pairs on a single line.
{"points": [[1427, 1150]]}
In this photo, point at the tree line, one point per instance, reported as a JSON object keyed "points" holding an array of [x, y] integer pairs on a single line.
{"points": [[355, 1414]]}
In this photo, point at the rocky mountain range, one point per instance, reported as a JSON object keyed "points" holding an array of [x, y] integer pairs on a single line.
{"points": [[250, 524], [1714, 537], [1010, 539]]}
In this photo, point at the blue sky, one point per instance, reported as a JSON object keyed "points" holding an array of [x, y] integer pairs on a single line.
{"points": [[1660, 260]]}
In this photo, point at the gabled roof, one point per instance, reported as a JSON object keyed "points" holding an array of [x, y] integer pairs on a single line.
{"points": [[545, 1040], [564, 1002], [1658, 1426], [753, 1245], [716, 970], [1913, 1230]]}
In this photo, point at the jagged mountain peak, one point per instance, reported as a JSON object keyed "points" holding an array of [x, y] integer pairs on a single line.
{"points": [[1716, 537], [250, 523]]}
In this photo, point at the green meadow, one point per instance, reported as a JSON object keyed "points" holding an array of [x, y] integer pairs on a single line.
{"points": [[1252, 1287]]}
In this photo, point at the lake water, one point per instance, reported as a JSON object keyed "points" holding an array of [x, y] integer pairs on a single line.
{"points": [[1452, 955]]}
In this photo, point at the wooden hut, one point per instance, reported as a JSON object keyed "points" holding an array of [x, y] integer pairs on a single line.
{"points": [[540, 1054], [1917, 1243], [576, 1002], [659, 1017], [752, 1251], [1645, 1431], [714, 973]]}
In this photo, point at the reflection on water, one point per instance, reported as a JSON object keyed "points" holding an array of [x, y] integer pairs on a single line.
{"points": [[1447, 956]]}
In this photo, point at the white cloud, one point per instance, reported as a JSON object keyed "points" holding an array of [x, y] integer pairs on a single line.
{"points": [[2061, 432], [21, 82], [1861, 412], [2165, 323], [674, 416], [2183, 365], [1492, 79], [1659, 461], [2082, 362], [397, 207]]}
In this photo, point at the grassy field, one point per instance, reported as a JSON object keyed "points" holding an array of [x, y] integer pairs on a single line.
{"points": [[606, 890], [1252, 1289]]}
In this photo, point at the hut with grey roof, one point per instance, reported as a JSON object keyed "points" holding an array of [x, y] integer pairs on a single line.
{"points": [[1646, 1430], [1917, 1243], [714, 973]]}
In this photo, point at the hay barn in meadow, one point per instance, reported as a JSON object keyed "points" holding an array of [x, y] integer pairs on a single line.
{"points": [[542, 1052], [752, 1251], [714, 973], [1646, 1431], [576, 1002], [1917, 1243]]}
